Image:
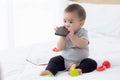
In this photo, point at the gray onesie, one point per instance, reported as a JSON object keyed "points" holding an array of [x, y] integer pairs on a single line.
{"points": [[73, 54]]}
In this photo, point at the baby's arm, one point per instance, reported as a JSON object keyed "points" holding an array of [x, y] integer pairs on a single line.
{"points": [[61, 43], [80, 42]]}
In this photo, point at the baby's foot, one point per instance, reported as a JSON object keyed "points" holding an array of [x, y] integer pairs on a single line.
{"points": [[46, 73], [80, 71]]}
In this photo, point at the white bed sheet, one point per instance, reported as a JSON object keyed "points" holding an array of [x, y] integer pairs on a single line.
{"points": [[31, 72], [19, 69]]}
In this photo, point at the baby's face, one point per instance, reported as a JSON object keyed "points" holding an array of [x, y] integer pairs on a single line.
{"points": [[72, 21]]}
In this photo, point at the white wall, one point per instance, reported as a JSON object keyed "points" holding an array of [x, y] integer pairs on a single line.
{"points": [[27, 22], [3, 24]]}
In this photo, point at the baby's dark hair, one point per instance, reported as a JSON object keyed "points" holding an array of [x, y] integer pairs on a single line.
{"points": [[77, 8]]}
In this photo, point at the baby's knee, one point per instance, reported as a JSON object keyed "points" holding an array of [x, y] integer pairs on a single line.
{"points": [[56, 59]]}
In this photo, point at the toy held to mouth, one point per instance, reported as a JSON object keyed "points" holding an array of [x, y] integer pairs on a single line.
{"points": [[62, 31]]}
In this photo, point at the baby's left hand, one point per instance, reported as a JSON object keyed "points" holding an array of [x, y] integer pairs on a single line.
{"points": [[71, 33]]}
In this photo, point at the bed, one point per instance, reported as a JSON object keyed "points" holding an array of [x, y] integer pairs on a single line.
{"points": [[103, 25]]}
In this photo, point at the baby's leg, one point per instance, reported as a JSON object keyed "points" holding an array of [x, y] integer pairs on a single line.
{"points": [[87, 65], [55, 64]]}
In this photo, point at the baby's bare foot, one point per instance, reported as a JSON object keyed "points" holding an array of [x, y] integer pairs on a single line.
{"points": [[80, 71], [46, 72]]}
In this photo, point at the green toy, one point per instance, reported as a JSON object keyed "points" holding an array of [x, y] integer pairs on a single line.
{"points": [[73, 71]]}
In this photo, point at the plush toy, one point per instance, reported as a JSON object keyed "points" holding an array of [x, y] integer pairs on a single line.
{"points": [[106, 64], [73, 71]]}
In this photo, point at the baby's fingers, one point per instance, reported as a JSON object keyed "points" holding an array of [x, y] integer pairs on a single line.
{"points": [[56, 28]]}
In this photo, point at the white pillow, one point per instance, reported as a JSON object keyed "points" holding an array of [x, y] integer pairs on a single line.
{"points": [[103, 19]]}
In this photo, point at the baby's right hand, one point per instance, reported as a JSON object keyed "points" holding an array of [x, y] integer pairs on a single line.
{"points": [[56, 28]]}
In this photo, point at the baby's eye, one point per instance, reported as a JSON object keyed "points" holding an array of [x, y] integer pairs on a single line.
{"points": [[71, 22], [64, 21]]}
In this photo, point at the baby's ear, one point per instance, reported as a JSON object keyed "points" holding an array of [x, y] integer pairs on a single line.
{"points": [[82, 23]]}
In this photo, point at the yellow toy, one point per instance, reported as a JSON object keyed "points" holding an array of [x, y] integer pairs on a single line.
{"points": [[73, 71]]}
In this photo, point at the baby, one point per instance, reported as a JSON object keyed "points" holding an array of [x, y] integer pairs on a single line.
{"points": [[74, 46]]}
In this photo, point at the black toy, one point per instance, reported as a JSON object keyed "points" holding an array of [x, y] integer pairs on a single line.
{"points": [[62, 31]]}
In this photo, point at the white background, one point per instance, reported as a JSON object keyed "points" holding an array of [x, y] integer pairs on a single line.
{"points": [[27, 22]]}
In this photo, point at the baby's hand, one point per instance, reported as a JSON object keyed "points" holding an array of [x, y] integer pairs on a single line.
{"points": [[56, 28], [71, 33]]}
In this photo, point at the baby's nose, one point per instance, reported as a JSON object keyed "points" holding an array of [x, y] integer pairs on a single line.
{"points": [[67, 26]]}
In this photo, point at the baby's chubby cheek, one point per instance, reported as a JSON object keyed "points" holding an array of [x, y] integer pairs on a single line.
{"points": [[71, 29]]}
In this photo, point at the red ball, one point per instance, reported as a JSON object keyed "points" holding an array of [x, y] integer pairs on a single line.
{"points": [[106, 64]]}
